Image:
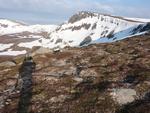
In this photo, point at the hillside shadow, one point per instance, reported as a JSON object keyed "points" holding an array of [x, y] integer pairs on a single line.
{"points": [[25, 73]]}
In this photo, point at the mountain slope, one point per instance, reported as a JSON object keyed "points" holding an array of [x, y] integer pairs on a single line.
{"points": [[100, 78], [130, 32], [12, 27], [81, 29], [13, 33], [85, 27]]}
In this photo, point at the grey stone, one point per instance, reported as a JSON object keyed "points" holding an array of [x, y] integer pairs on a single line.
{"points": [[123, 96], [7, 64], [87, 40]]}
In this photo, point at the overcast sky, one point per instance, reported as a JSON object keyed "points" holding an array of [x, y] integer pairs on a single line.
{"points": [[57, 11]]}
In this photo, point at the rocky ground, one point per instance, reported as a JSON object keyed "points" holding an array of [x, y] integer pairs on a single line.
{"points": [[101, 78]]}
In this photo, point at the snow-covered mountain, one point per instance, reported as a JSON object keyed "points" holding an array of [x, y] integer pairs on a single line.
{"points": [[81, 29], [85, 27], [13, 34], [12, 27]]}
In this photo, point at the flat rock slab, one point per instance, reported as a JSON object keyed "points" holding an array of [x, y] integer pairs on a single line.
{"points": [[123, 96], [7, 64]]}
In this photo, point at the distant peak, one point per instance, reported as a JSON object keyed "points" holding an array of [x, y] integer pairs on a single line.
{"points": [[5, 20], [81, 15], [84, 14]]}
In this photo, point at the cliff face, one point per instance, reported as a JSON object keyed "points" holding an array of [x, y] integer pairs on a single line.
{"points": [[100, 78]]}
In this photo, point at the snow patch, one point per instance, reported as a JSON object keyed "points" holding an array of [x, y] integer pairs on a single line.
{"points": [[30, 44], [138, 19], [10, 27], [5, 46], [12, 53]]}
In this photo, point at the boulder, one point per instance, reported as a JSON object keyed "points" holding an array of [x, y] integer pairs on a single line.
{"points": [[123, 96], [60, 98], [7, 64]]}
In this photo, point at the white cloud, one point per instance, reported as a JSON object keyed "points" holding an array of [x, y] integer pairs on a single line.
{"points": [[51, 5], [62, 9]]}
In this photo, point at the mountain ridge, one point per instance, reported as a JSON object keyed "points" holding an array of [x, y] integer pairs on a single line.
{"points": [[142, 20]]}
